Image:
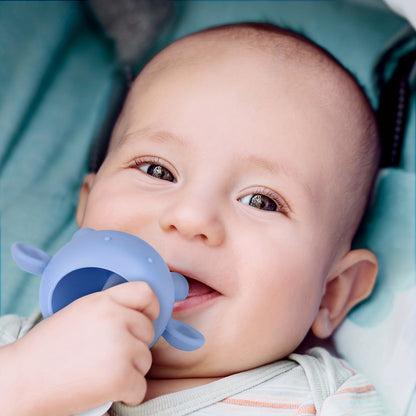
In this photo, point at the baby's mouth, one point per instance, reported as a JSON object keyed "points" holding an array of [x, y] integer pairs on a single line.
{"points": [[197, 288], [198, 294]]}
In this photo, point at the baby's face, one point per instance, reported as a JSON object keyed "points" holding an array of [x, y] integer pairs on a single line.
{"points": [[225, 166]]}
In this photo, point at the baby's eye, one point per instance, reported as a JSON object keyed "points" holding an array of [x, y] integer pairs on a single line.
{"points": [[261, 202], [157, 171]]}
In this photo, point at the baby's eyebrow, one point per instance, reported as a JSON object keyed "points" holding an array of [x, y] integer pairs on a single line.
{"points": [[277, 168], [157, 136]]}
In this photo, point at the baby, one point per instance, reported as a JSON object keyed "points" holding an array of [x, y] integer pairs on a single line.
{"points": [[245, 155]]}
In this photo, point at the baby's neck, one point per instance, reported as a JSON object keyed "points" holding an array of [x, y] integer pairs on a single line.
{"points": [[159, 387]]}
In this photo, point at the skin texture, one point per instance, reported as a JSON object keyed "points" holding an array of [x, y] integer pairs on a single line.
{"points": [[226, 159]]}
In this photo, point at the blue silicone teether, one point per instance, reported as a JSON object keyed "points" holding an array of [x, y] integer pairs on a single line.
{"points": [[96, 260]]}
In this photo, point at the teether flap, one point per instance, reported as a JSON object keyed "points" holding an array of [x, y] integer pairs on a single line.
{"points": [[182, 336], [29, 258]]}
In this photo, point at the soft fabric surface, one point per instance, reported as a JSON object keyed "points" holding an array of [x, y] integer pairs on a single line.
{"points": [[56, 73]]}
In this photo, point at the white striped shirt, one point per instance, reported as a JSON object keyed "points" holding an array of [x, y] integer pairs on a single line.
{"points": [[314, 383]]}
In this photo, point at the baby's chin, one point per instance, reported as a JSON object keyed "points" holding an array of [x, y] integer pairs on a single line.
{"points": [[169, 362]]}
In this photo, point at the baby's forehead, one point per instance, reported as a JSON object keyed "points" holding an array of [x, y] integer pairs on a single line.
{"points": [[266, 48], [283, 58]]}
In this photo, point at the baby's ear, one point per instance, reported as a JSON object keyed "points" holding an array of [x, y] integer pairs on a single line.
{"points": [[352, 281], [83, 196]]}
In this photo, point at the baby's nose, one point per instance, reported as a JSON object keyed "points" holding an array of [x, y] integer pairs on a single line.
{"points": [[194, 218]]}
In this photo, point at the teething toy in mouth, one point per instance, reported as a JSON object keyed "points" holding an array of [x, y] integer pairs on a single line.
{"points": [[97, 260]]}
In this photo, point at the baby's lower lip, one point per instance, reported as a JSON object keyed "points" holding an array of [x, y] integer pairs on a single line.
{"points": [[198, 294]]}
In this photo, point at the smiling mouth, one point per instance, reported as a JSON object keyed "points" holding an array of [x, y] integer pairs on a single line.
{"points": [[198, 294]]}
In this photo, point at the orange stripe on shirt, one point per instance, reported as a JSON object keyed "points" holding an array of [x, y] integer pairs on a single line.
{"points": [[310, 410], [346, 367], [254, 403], [356, 389], [301, 410]]}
